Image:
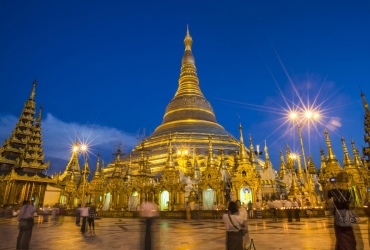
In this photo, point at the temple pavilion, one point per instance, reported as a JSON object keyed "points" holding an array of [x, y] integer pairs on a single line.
{"points": [[22, 159]]}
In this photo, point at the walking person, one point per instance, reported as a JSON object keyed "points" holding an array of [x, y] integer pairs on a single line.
{"points": [[84, 214], [233, 225], [289, 210], [308, 208], [296, 210], [25, 218], [250, 209], [91, 219], [244, 216], [341, 199], [78, 215], [215, 210]]}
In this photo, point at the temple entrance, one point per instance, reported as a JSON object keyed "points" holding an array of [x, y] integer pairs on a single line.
{"points": [[165, 197], [133, 201], [245, 195], [208, 199], [106, 203]]}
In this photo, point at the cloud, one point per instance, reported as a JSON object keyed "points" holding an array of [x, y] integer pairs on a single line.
{"points": [[58, 137]]}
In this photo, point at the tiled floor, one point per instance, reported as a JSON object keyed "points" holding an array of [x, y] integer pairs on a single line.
{"points": [[63, 234]]}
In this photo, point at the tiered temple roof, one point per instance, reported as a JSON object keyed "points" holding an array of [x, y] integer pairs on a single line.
{"points": [[23, 151]]}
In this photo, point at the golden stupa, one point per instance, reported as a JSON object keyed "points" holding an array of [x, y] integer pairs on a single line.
{"points": [[189, 119]]}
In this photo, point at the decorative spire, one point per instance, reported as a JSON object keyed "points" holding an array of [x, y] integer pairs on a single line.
{"points": [[33, 92], [366, 106], [332, 164], [346, 159], [356, 156], [294, 189], [242, 151], [323, 160], [188, 82], [289, 160], [39, 116], [170, 165], [252, 155], [331, 155], [188, 41], [282, 169], [267, 158], [97, 171], [311, 166], [211, 160], [86, 169]]}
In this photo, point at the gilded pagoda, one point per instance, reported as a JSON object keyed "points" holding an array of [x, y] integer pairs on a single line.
{"points": [[22, 159], [191, 159]]}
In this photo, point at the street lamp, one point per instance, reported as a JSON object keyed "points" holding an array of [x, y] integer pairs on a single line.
{"points": [[83, 149], [309, 115]]}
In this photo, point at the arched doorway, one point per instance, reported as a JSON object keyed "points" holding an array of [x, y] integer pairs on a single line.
{"points": [[245, 195], [208, 199], [165, 197], [133, 201], [107, 202]]}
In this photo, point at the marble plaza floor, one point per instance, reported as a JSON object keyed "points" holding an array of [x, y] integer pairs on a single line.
{"points": [[115, 233]]}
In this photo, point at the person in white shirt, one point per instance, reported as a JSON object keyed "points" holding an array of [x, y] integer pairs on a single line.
{"points": [[84, 214], [244, 215], [233, 225], [25, 231]]}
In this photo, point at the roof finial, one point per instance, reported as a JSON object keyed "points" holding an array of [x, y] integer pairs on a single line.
{"points": [[188, 41], [33, 92], [40, 115]]}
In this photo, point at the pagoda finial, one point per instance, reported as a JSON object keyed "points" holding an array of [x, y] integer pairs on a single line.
{"points": [[252, 155], [356, 156], [323, 160], [346, 159], [366, 106], [170, 163], [210, 161], [242, 150], [97, 171], [267, 157], [188, 41], [331, 155], [39, 115], [86, 169], [282, 170], [33, 92]]}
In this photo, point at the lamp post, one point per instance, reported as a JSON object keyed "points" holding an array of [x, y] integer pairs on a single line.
{"points": [[83, 149], [308, 116]]}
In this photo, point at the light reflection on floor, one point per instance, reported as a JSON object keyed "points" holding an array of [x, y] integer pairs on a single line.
{"points": [[61, 233]]}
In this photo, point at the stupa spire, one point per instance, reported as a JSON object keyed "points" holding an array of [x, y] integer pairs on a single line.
{"points": [[33, 92], [331, 155], [39, 117], [356, 156], [252, 155], [282, 168], [170, 165], [86, 169], [366, 105], [242, 151], [97, 171], [346, 159], [267, 158], [211, 160]]}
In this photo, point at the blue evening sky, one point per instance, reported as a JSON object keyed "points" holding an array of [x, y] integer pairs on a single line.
{"points": [[106, 69]]}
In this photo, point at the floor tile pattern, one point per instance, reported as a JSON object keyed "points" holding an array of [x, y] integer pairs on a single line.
{"points": [[124, 234]]}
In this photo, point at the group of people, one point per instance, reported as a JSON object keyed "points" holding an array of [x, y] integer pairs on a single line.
{"points": [[88, 213]]}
